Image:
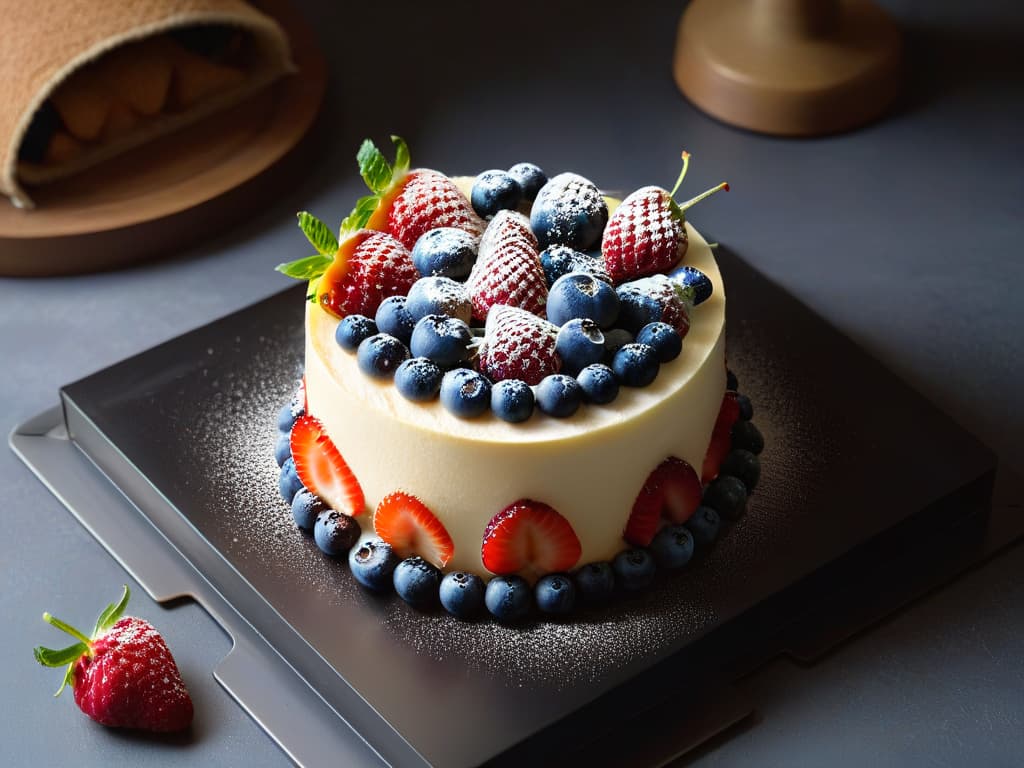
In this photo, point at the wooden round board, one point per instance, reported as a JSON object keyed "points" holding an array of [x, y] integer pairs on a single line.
{"points": [[175, 190]]}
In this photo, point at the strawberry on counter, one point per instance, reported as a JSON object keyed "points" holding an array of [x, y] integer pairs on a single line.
{"points": [[123, 675]]}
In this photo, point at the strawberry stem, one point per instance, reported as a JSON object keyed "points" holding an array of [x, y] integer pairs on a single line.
{"points": [[55, 622], [682, 173], [690, 203]]}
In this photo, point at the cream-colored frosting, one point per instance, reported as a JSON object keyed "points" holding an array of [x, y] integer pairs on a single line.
{"points": [[589, 467]]}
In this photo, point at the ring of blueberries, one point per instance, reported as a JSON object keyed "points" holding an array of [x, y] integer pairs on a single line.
{"points": [[509, 599], [607, 337]]}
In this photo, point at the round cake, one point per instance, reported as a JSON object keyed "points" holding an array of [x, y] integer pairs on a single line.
{"points": [[513, 385]]}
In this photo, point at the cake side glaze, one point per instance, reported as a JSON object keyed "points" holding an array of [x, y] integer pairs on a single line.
{"points": [[588, 467]]}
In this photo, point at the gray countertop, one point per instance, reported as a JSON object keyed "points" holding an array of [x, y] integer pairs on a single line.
{"points": [[905, 235]]}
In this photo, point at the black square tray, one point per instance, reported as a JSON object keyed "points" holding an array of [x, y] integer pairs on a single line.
{"points": [[863, 482]]}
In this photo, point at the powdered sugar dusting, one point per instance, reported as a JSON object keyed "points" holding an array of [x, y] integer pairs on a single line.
{"points": [[508, 269]]}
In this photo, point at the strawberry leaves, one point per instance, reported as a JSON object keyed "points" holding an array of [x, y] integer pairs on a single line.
{"points": [[308, 268], [111, 614], [318, 234], [321, 238], [70, 655]]}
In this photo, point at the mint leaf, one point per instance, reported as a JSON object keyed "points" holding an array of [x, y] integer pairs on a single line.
{"points": [[365, 207], [51, 658], [401, 156], [319, 236], [307, 268], [111, 614], [375, 170]]}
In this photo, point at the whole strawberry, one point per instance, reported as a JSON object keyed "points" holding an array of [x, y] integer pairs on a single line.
{"points": [[518, 345], [354, 276], [124, 675], [408, 203], [369, 267], [508, 270], [647, 232]]}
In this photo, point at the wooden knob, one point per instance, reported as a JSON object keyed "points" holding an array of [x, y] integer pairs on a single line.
{"points": [[788, 67]]}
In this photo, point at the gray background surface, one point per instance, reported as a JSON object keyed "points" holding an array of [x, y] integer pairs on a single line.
{"points": [[906, 235]]}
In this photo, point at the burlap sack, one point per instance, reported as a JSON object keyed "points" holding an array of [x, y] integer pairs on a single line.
{"points": [[42, 42]]}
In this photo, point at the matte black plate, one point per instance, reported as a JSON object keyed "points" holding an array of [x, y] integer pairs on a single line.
{"points": [[186, 430]]}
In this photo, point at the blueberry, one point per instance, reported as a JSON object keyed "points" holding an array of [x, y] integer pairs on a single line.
{"points": [[672, 547], [637, 309], [727, 495], [731, 382], [704, 524], [282, 448], [664, 338], [598, 383], [289, 414], [614, 340], [418, 379], [744, 465], [555, 594], [746, 407], [495, 191], [579, 343], [530, 179], [335, 532], [748, 437], [306, 506], [437, 295], [351, 331], [372, 564], [462, 594], [394, 319], [417, 581], [289, 483], [512, 400], [465, 393], [508, 598], [595, 582], [634, 568], [582, 295], [569, 210], [696, 280], [445, 251], [636, 365], [559, 395], [443, 339], [380, 354], [559, 260]]}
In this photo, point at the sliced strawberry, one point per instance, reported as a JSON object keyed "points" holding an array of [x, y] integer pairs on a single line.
{"points": [[645, 516], [673, 491], [529, 537], [680, 488], [322, 469], [508, 270], [368, 268], [405, 522], [721, 437], [518, 345]]}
